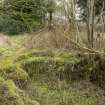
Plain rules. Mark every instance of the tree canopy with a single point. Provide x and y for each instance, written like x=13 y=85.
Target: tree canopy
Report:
x=29 y=13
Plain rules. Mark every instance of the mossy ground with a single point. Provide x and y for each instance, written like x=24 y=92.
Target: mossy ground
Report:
x=47 y=77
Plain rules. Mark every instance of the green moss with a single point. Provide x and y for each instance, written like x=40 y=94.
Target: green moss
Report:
x=41 y=65
x=45 y=69
x=6 y=64
x=28 y=101
x=2 y=50
x=18 y=74
x=10 y=70
x=14 y=73
x=11 y=87
x=41 y=56
x=9 y=94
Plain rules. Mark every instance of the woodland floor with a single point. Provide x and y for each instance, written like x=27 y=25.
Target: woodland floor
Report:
x=43 y=86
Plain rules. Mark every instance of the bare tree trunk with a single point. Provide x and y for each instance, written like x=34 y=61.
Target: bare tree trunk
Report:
x=90 y=24
x=103 y=21
x=50 y=20
x=75 y=21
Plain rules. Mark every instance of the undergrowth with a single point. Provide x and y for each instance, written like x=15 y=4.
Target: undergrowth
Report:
x=46 y=77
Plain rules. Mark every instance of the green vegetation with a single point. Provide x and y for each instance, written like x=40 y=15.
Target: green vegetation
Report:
x=45 y=77
x=23 y=15
x=46 y=58
x=11 y=95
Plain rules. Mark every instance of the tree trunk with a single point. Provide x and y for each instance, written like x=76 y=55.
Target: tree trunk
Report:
x=50 y=20
x=91 y=15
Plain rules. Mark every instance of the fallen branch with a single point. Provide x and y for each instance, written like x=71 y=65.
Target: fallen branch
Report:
x=82 y=47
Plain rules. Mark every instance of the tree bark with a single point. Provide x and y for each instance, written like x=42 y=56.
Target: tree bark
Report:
x=90 y=22
x=50 y=20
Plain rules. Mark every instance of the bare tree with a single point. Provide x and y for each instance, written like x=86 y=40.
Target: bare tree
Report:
x=90 y=22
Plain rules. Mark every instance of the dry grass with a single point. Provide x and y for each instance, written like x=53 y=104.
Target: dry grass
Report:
x=56 y=39
x=4 y=39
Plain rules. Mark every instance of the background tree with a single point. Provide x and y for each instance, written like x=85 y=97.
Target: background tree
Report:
x=83 y=4
x=51 y=5
x=92 y=13
x=30 y=14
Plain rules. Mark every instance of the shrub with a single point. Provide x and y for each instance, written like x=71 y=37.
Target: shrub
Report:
x=9 y=25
